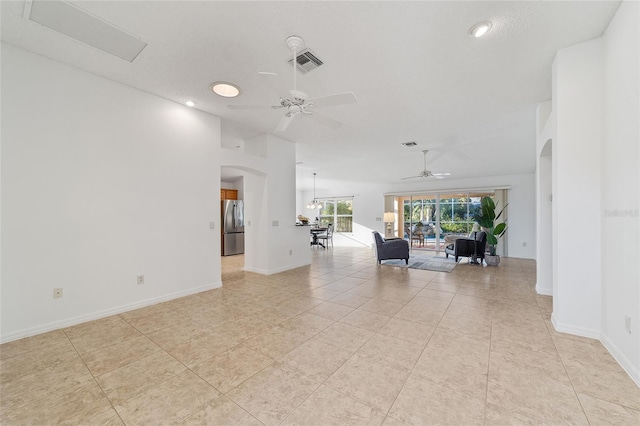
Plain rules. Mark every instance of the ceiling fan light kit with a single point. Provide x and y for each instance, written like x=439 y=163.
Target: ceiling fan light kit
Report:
x=298 y=102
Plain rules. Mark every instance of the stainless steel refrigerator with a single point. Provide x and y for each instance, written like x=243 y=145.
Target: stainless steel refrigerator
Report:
x=232 y=227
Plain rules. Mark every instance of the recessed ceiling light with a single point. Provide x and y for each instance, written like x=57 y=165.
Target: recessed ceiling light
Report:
x=190 y=103
x=224 y=89
x=480 y=29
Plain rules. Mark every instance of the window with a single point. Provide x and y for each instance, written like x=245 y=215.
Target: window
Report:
x=455 y=217
x=338 y=212
x=457 y=211
x=453 y=212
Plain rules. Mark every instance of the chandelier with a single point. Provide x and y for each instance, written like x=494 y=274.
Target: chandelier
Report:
x=314 y=204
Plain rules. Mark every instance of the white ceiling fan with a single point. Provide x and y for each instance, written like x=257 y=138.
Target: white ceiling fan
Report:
x=427 y=173
x=299 y=103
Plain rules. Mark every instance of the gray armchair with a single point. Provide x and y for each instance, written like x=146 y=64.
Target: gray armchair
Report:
x=390 y=249
x=468 y=247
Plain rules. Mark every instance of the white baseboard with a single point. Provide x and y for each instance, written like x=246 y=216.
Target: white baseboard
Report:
x=624 y=362
x=255 y=270
x=572 y=329
x=68 y=322
x=276 y=270
x=544 y=290
x=620 y=358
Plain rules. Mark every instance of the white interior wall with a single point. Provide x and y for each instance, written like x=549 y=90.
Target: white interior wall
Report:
x=299 y=203
x=544 y=231
x=100 y=183
x=544 y=256
x=275 y=243
x=620 y=157
x=255 y=230
x=596 y=163
x=577 y=107
x=288 y=245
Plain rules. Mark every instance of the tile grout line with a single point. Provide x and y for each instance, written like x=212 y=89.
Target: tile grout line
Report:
x=421 y=353
x=94 y=378
x=223 y=393
x=486 y=391
x=341 y=365
x=564 y=367
x=348 y=359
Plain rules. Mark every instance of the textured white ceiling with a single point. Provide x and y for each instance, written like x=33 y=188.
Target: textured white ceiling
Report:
x=416 y=72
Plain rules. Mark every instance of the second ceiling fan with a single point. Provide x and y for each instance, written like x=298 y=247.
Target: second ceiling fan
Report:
x=427 y=173
x=298 y=102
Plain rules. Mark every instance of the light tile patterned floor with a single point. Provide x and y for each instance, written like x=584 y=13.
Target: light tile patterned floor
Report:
x=342 y=342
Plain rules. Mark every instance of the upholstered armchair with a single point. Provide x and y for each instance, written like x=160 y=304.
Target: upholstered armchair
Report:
x=390 y=249
x=468 y=247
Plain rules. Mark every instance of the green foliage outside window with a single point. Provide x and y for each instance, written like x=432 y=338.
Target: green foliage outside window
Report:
x=345 y=207
x=339 y=213
x=456 y=212
x=455 y=228
x=328 y=209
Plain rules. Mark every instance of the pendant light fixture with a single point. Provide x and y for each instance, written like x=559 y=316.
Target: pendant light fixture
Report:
x=314 y=204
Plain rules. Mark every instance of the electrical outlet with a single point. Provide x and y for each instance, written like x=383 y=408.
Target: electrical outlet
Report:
x=524 y=244
x=290 y=252
x=140 y=279
x=627 y=324
x=57 y=293
x=274 y=223
x=212 y=225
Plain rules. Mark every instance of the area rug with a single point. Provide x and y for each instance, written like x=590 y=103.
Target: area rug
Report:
x=427 y=263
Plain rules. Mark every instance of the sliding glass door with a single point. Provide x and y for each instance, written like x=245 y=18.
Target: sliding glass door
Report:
x=420 y=220
x=430 y=218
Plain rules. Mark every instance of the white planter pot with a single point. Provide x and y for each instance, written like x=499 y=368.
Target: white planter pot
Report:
x=492 y=260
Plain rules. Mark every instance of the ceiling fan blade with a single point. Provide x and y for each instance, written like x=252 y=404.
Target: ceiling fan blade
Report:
x=326 y=121
x=334 y=100
x=284 y=123
x=441 y=174
x=411 y=177
x=254 y=106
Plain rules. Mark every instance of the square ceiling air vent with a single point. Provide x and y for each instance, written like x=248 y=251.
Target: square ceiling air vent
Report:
x=307 y=61
x=410 y=144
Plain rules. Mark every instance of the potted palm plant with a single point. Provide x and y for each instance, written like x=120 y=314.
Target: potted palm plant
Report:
x=488 y=221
